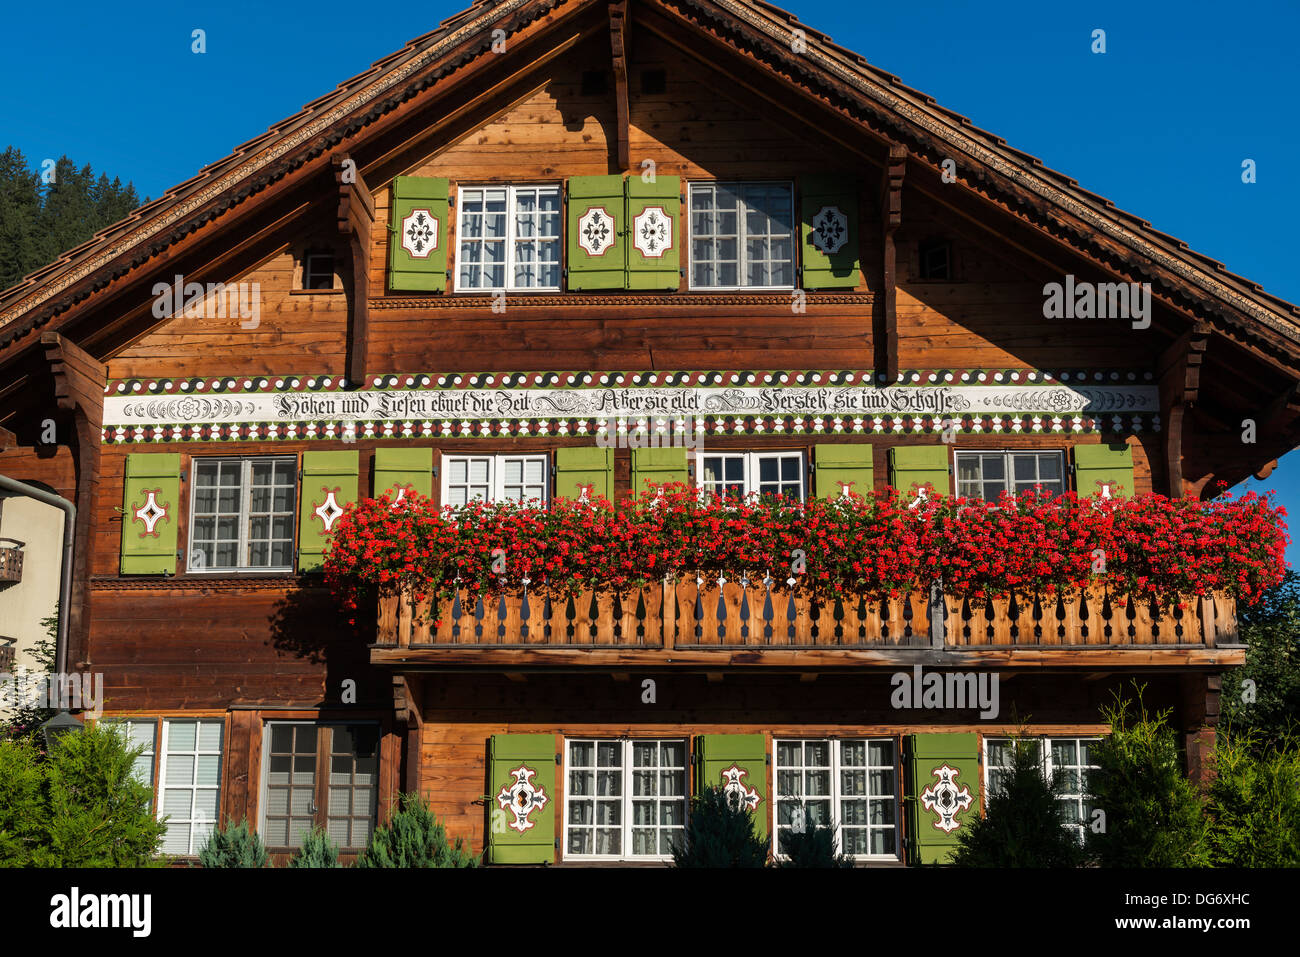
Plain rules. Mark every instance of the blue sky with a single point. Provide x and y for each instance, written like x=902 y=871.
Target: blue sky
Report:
x=1159 y=123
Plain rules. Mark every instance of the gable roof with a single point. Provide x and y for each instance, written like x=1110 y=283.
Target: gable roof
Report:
x=914 y=117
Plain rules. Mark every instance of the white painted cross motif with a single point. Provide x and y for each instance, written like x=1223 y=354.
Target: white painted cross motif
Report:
x=151 y=512
x=830 y=230
x=596 y=231
x=420 y=233
x=652 y=232
x=522 y=798
x=846 y=488
x=734 y=788
x=584 y=491
x=328 y=511
x=946 y=799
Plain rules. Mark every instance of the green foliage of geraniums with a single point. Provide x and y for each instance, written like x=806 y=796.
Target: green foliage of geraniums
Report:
x=719 y=833
x=235 y=845
x=1023 y=824
x=1153 y=813
x=811 y=845
x=20 y=802
x=413 y=837
x=1270 y=705
x=94 y=812
x=1253 y=802
x=317 y=851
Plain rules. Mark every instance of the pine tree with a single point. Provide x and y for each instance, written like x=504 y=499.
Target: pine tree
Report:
x=20 y=206
x=94 y=811
x=20 y=802
x=235 y=845
x=719 y=833
x=317 y=851
x=413 y=837
x=1022 y=824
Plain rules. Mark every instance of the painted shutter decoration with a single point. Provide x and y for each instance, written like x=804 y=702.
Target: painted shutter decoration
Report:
x=829 y=233
x=1105 y=470
x=943 y=793
x=397 y=470
x=521 y=803
x=736 y=763
x=151 y=513
x=657 y=466
x=597 y=242
x=912 y=466
x=417 y=234
x=843 y=468
x=329 y=482
x=654 y=228
x=584 y=469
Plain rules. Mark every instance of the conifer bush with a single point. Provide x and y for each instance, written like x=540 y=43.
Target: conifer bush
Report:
x=235 y=845
x=813 y=845
x=719 y=833
x=94 y=812
x=317 y=851
x=413 y=837
x=1253 y=802
x=1023 y=824
x=1154 y=815
x=20 y=802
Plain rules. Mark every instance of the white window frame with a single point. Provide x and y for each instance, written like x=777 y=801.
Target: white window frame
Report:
x=496 y=473
x=193 y=787
x=1044 y=743
x=751 y=460
x=836 y=797
x=1008 y=481
x=627 y=770
x=741 y=261
x=245 y=496
x=512 y=190
x=124 y=726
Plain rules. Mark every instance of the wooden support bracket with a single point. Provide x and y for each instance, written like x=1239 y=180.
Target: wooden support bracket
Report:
x=1179 y=375
x=356 y=216
x=891 y=217
x=618 y=36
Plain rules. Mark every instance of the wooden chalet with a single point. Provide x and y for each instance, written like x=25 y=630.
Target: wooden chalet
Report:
x=452 y=274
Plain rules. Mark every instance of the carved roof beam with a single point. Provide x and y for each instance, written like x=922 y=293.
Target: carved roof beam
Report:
x=356 y=216
x=1179 y=375
x=618 y=37
x=891 y=216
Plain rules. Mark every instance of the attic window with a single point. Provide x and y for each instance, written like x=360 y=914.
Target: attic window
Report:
x=593 y=83
x=654 y=82
x=936 y=259
x=318 y=270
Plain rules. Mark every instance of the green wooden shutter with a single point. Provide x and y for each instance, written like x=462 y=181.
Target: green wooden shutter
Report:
x=1098 y=465
x=151 y=501
x=738 y=761
x=419 y=215
x=911 y=466
x=944 y=768
x=657 y=466
x=829 y=220
x=398 y=468
x=328 y=479
x=654 y=232
x=847 y=464
x=576 y=467
x=521 y=804
x=597 y=241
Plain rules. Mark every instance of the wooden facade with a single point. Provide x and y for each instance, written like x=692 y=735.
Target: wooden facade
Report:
x=946 y=288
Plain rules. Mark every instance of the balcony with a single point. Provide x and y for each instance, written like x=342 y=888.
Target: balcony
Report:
x=692 y=623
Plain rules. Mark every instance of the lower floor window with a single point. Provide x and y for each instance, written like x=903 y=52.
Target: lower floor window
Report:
x=851 y=785
x=189 y=775
x=324 y=775
x=1067 y=761
x=624 y=799
x=753 y=475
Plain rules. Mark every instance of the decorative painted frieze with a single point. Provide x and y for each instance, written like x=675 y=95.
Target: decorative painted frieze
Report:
x=591 y=403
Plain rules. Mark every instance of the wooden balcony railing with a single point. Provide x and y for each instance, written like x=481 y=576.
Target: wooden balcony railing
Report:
x=731 y=616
